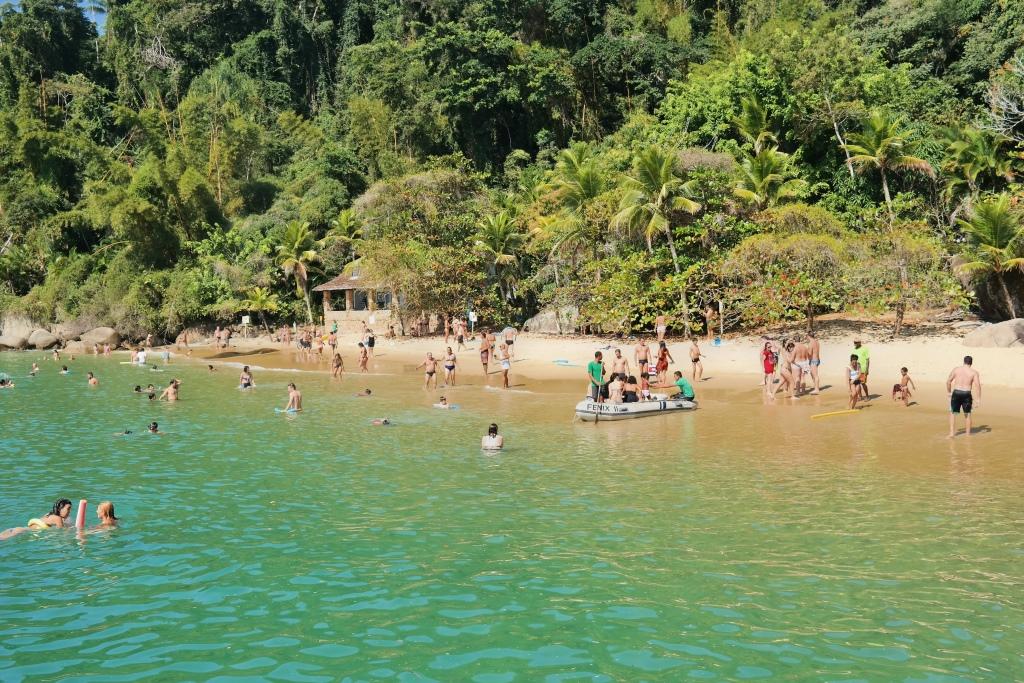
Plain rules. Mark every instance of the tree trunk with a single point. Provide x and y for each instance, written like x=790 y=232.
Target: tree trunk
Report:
x=1006 y=294
x=672 y=249
x=885 y=191
x=839 y=136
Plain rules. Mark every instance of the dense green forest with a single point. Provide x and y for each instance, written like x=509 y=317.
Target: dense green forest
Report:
x=789 y=158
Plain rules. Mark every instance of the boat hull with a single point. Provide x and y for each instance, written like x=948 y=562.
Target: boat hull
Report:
x=590 y=411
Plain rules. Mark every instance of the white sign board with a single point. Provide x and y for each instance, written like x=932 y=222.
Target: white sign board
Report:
x=245 y=320
x=472 y=316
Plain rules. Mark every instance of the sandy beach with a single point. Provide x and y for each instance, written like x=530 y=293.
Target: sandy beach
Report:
x=732 y=370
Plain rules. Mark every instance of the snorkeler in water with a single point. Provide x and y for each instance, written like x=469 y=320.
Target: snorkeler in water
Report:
x=363 y=394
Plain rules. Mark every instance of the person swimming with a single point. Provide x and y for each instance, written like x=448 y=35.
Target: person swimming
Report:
x=153 y=428
x=443 y=404
x=105 y=513
x=137 y=389
x=64 y=370
x=6 y=383
x=492 y=441
x=362 y=394
x=34 y=371
x=381 y=421
x=57 y=518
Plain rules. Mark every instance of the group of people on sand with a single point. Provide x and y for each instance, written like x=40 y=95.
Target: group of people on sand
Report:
x=491 y=348
x=791 y=366
x=57 y=518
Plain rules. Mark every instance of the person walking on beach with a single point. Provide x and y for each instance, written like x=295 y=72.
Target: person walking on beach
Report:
x=337 y=366
x=371 y=341
x=620 y=366
x=864 y=359
x=961 y=385
x=505 y=356
x=853 y=380
x=449 y=368
x=660 y=327
x=363 y=358
x=332 y=341
x=814 y=346
x=595 y=375
x=768 y=366
x=901 y=390
x=294 y=398
x=695 y=356
x=429 y=366
x=664 y=358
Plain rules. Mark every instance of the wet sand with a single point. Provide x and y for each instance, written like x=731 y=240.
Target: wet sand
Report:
x=733 y=411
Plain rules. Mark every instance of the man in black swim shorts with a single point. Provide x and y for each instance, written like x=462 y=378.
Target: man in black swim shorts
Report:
x=964 y=388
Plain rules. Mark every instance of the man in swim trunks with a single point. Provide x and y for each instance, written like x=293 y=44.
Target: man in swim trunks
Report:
x=685 y=388
x=814 y=346
x=642 y=355
x=429 y=366
x=485 y=351
x=619 y=364
x=595 y=375
x=294 y=398
x=864 y=359
x=695 y=356
x=961 y=385
x=510 y=339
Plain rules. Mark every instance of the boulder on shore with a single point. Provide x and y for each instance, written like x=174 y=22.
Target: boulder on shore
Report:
x=78 y=347
x=553 y=321
x=42 y=339
x=1002 y=335
x=14 y=342
x=101 y=336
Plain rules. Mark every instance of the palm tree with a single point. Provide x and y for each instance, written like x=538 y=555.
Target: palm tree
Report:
x=345 y=230
x=295 y=254
x=973 y=154
x=499 y=237
x=653 y=193
x=260 y=300
x=998 y=237
x=885 y=145
x=762 y=180
x=753 y=124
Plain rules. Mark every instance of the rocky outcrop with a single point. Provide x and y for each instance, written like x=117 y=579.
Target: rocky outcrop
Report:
x=1000 y=335
x=13 y=342
x=17 y=325
x=554 y=321
x=42 y=339
x=101 y=336
x=71 y=330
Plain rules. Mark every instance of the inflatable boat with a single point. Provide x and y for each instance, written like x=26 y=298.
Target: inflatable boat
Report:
x=589 y=410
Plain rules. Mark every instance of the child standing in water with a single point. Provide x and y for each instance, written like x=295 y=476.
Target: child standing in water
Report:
x=901 y=390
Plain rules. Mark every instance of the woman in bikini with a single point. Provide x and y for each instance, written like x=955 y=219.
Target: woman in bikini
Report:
x=337 y=366
x=56 y=519
x=245 y=380
x=664 y=358
x=449 y=368
x=506 y=364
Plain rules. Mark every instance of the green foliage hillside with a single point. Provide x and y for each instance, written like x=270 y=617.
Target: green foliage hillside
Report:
x=787 y=158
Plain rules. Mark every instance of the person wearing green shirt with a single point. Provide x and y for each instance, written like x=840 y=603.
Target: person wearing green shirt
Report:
x=595 y=373
x=864 y=360
x=685 y=388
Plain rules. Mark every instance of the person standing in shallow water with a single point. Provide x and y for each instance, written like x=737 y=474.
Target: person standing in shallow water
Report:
x=294 y=398
x=964 y=388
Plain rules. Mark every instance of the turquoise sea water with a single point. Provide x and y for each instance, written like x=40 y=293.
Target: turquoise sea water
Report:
x=258 y=546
